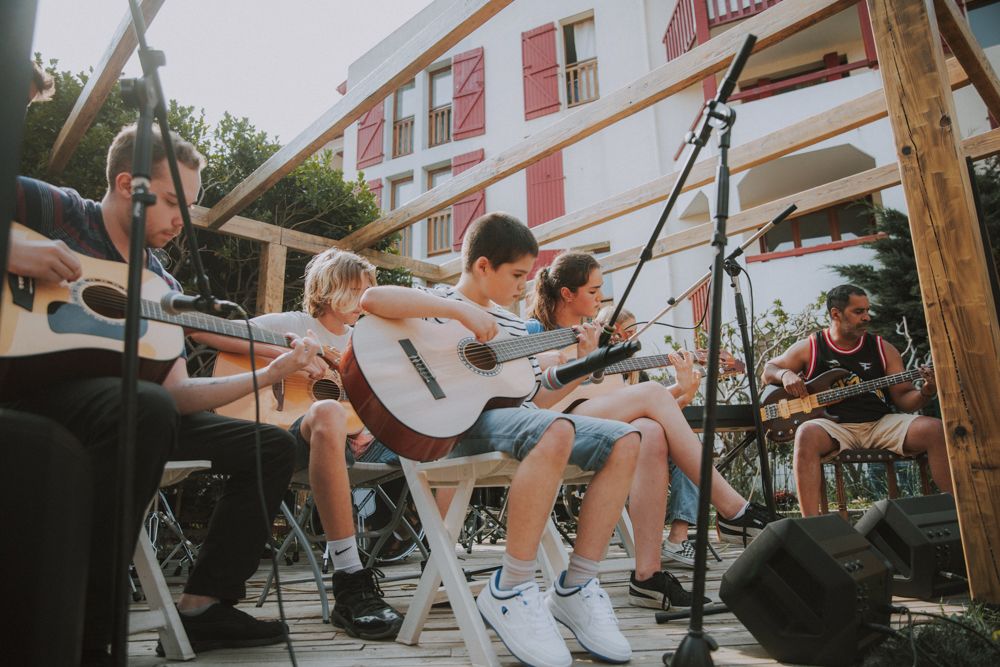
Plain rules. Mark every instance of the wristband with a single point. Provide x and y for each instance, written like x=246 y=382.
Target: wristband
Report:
x=781 y=375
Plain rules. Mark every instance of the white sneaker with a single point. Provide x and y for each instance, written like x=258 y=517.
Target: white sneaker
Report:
x=524 y=624
x=587 y=611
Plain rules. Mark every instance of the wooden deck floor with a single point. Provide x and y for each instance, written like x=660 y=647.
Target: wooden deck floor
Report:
x=441 y=644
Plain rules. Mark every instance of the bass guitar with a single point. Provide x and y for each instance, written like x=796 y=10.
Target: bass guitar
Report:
x=420 y=386
x=284 y=402
x=56 y=332
x=783 y=413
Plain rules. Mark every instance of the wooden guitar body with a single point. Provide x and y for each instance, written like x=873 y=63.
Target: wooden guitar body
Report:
x=420 y=386
x=282 y=403
x=794 y=411
x=55 y=332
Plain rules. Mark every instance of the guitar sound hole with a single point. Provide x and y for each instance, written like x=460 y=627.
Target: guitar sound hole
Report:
x=326 y=389
x=105 y=301
x=480 y=356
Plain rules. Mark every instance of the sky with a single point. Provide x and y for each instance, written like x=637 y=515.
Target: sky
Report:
x=277 y=62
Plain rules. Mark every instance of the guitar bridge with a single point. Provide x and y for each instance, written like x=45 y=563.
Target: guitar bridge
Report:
x=422 y=368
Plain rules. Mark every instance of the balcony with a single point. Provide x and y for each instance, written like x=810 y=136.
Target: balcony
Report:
x=439 y=124
x=402 y=137
x=581 y=82
x=439 y=233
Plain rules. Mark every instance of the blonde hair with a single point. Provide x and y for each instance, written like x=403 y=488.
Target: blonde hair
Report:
x=570 y=269
x=604 y=317
x=331 y=277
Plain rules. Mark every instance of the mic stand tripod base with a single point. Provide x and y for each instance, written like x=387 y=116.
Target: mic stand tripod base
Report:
x=694 y=651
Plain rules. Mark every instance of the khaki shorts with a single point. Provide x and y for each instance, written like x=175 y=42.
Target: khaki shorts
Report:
x=886 y=433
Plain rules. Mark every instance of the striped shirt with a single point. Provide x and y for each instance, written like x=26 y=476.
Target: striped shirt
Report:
x=507 y=320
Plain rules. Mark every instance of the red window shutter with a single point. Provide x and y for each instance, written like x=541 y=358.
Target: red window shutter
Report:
x=545 y=258
x=545 y=190
x=699 y=306
x=468 y=97
x=464 y=212
x=541 y=71
x=370 y=137
x=376 y=187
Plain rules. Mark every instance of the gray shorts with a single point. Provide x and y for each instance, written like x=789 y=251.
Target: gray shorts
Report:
x=515 y=431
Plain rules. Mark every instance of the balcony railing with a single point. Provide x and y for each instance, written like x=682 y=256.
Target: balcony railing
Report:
x=405 y=242
x=402 y=137
x=439 y=233
x=803 y=81
x=721 y=12
x=439 y=123
x=681 y=33
x=581 y=82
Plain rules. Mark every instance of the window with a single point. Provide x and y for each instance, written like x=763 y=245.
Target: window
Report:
x=403 y=191
x=404 y=110
x=580 y=42
x=439 y=121
x=829 y=229
x=439 y=224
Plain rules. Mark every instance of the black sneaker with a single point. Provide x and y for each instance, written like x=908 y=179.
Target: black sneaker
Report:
x=743 y=530
x=359 y=607
x=659 y=592
x=224 y=626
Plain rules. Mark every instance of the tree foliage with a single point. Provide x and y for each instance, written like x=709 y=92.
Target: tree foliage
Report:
x=313 y=199
x=893 y=284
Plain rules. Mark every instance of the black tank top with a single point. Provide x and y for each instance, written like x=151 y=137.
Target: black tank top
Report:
x=865 y=361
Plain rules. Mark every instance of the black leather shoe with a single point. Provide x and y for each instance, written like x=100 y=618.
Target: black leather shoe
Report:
x=359 y=607
x=224 y=626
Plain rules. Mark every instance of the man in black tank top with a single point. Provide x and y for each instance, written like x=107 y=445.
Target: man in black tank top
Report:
x=867 y=420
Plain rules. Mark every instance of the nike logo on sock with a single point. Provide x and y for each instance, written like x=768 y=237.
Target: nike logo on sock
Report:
x=337 y=553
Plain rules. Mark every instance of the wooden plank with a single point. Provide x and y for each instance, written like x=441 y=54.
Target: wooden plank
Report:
x=955 y=28
x=430 y=44
x=848 y=116
x=847 y=189
x=99 y=85
x=770 y=27
x=958 y=303
x=271 y=278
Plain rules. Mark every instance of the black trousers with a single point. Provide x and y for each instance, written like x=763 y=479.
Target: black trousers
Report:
x=230 y=554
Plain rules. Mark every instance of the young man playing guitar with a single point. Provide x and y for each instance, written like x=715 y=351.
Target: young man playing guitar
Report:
x=173 y=419
x=866 y=421
x=566 y=292
x=335 y=280
x=497 y=254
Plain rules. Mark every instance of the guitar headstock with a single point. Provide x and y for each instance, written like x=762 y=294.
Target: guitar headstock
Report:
x=331 y=356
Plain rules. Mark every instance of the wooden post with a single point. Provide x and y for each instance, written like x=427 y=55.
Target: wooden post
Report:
x=271 y=283
x=961 y=318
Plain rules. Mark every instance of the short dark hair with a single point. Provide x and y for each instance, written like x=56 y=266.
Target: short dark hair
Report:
x=841 y=295
x=500 y=238
x=120 y=153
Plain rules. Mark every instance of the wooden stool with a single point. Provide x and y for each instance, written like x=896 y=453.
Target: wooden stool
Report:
x=868 y=456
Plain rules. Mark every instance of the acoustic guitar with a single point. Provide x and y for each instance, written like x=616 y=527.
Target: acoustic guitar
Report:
x=614 y=378
x=783 y=413
x=56 y=332
x=420 y=386
x=282 y=403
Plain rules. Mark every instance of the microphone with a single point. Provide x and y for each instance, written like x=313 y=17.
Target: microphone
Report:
x=597 y=377
x=558 y=377
x=174 y=303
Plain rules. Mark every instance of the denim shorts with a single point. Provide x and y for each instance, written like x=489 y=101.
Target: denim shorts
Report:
x=515 y=431
x=682 y=501
x=375 y=452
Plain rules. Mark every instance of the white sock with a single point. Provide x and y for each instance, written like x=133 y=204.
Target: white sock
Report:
x=740 y=513
x=580 y=571
x=516 y=572
x=344 y=554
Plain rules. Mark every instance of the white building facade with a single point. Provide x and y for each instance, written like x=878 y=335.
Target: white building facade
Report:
x=537 y=62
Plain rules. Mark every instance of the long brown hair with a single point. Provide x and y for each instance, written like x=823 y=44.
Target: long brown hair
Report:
x=570 y=269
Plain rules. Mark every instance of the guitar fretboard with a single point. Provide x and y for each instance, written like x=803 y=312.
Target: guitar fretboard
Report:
x=839 y=394
x=639 y=364
x=519 y=347
x=235 y=328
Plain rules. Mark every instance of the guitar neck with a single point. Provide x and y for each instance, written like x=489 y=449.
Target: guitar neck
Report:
x=639 y=364
x=202 y=322
x=839 y=394
x=519 y=347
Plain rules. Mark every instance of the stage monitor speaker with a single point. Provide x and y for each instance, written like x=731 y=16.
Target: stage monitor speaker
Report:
x=920 y=537
x=805 y=588
x=46 y=494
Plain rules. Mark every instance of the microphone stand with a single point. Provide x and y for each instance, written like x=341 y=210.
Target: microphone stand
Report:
x=696 y=648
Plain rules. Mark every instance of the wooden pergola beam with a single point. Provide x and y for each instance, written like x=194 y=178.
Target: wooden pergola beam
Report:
x=99 y=86
x=770 y=27
x=846 y=189
x=848 y=116
x=416 y=55
x=254 y=230
x=963 y=44
x=951 y=262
